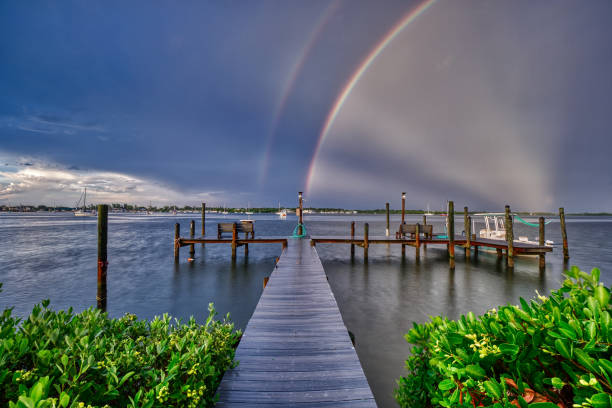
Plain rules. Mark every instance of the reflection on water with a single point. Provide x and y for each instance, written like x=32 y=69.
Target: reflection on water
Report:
x=54 y=256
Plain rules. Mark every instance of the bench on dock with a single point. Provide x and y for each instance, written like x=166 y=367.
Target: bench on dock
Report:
x=410 y=229
x=242 y=226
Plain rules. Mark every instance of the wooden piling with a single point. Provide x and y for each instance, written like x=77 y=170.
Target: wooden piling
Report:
x=499 y=253
x=366 y=243
x=425 y=223
x=352 y=238
x=234 y=240
x=387 y=208
x=177 y=237
x=403 y=206
x=542 y=242
x=563 y=233
x=468 y=237
x=509 y=238
x=417 y=233
x=192 y=235
x=301 y=215
x=465 y=221
x=451 y=234
x=203 y=221
x=102 y=255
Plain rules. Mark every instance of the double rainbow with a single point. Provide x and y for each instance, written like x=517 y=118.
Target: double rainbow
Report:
x=352 y=81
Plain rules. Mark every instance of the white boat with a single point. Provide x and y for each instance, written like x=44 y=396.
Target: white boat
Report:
x=82 y=212
x=281 y=213
x=428 y=211
x=495 y=228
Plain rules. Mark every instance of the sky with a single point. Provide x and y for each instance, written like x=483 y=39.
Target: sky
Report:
x=484 y=102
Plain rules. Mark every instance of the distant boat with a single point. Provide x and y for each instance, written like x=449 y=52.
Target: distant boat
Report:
x=281 y=213
x=428 y=211
x=495 y=228
x=82 y=212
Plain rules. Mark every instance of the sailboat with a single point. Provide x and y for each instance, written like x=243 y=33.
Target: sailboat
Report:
x=281 y=213
x=83 y=211
x=428 y=211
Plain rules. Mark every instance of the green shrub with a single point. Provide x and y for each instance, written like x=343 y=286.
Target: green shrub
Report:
x=551 y=352
x=63 y=359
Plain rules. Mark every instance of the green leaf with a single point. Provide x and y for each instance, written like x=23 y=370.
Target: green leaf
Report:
x=446 y=385
x=557 y=382
x=584 y=359
x=601 y=400
x=64 y=399
x=493 y=389
x=563 y=348
x=475 y=370
x=64 y=360
x=602 y=295
x=37 y=392
x=125 y=378
x=511 y=349
x=26 y=401
x=543 y=405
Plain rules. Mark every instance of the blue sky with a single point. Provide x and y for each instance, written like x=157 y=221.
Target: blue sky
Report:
x=482 y=102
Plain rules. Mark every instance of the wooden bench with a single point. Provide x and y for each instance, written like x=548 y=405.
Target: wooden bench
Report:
x=405 y=229
x=242 y=226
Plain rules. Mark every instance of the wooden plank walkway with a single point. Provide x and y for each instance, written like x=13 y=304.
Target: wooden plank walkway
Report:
x=296 y=350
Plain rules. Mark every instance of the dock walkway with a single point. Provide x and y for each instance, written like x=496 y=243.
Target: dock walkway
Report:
x=296 y=350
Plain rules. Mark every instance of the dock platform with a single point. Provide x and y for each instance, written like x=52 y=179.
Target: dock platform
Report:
x=296 y=350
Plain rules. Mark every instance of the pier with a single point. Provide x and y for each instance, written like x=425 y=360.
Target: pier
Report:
x=296 y=349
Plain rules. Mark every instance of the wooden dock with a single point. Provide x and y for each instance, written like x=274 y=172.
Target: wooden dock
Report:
x=296 y=350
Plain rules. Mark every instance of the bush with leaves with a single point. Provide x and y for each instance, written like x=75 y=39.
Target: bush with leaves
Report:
x=63 y=359
x=549 y=352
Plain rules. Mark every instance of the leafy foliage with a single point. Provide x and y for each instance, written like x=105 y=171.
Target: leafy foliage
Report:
x=62 y=359
x=549 y=352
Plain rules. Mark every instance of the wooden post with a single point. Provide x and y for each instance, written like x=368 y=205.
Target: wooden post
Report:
x=468 y=237
x=425 y=223
x=403 y=206
x=366 y=243
x=203 y=221
x=102 y=255
x=509 y=238
x=387 y=208
x=352 y=238
x=499 y=253
x=542 y=242
x=417 y=233
x=234 y=240
x=192 y=235
x=451 y=234
x=563 y=234
x=177 y=237
x=301 y=217
x=465 y=221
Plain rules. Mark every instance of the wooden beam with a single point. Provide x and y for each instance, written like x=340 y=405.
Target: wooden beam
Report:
x=564 y=234
x=542 y=242
x=509 y=238
x=451 y=234
x=102 y=255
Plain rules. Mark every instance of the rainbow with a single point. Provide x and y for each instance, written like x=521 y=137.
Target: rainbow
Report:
x=352 y=81
x=326 y=15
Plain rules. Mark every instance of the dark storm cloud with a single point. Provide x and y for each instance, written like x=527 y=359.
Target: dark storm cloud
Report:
x=184 y=96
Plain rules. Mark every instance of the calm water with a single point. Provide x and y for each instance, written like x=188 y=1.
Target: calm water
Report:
x=53 y=256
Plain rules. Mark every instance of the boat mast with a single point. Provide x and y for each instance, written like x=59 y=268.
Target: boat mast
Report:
x=84 y=200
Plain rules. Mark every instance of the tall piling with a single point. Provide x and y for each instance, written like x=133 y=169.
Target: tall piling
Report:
x=468 y=237
x=102 y=255
x=403 y=206
x=451 y=234
x=417 y=243
x=366 y=243
x=192 y=236
x=234 y=240
x=203 y=221
x=509 y=238
x=425 y=223
x=301 y=215
x=542 y=242
x=387 y=208
x=563 y=234
x=177 y=237
x=352 y=239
